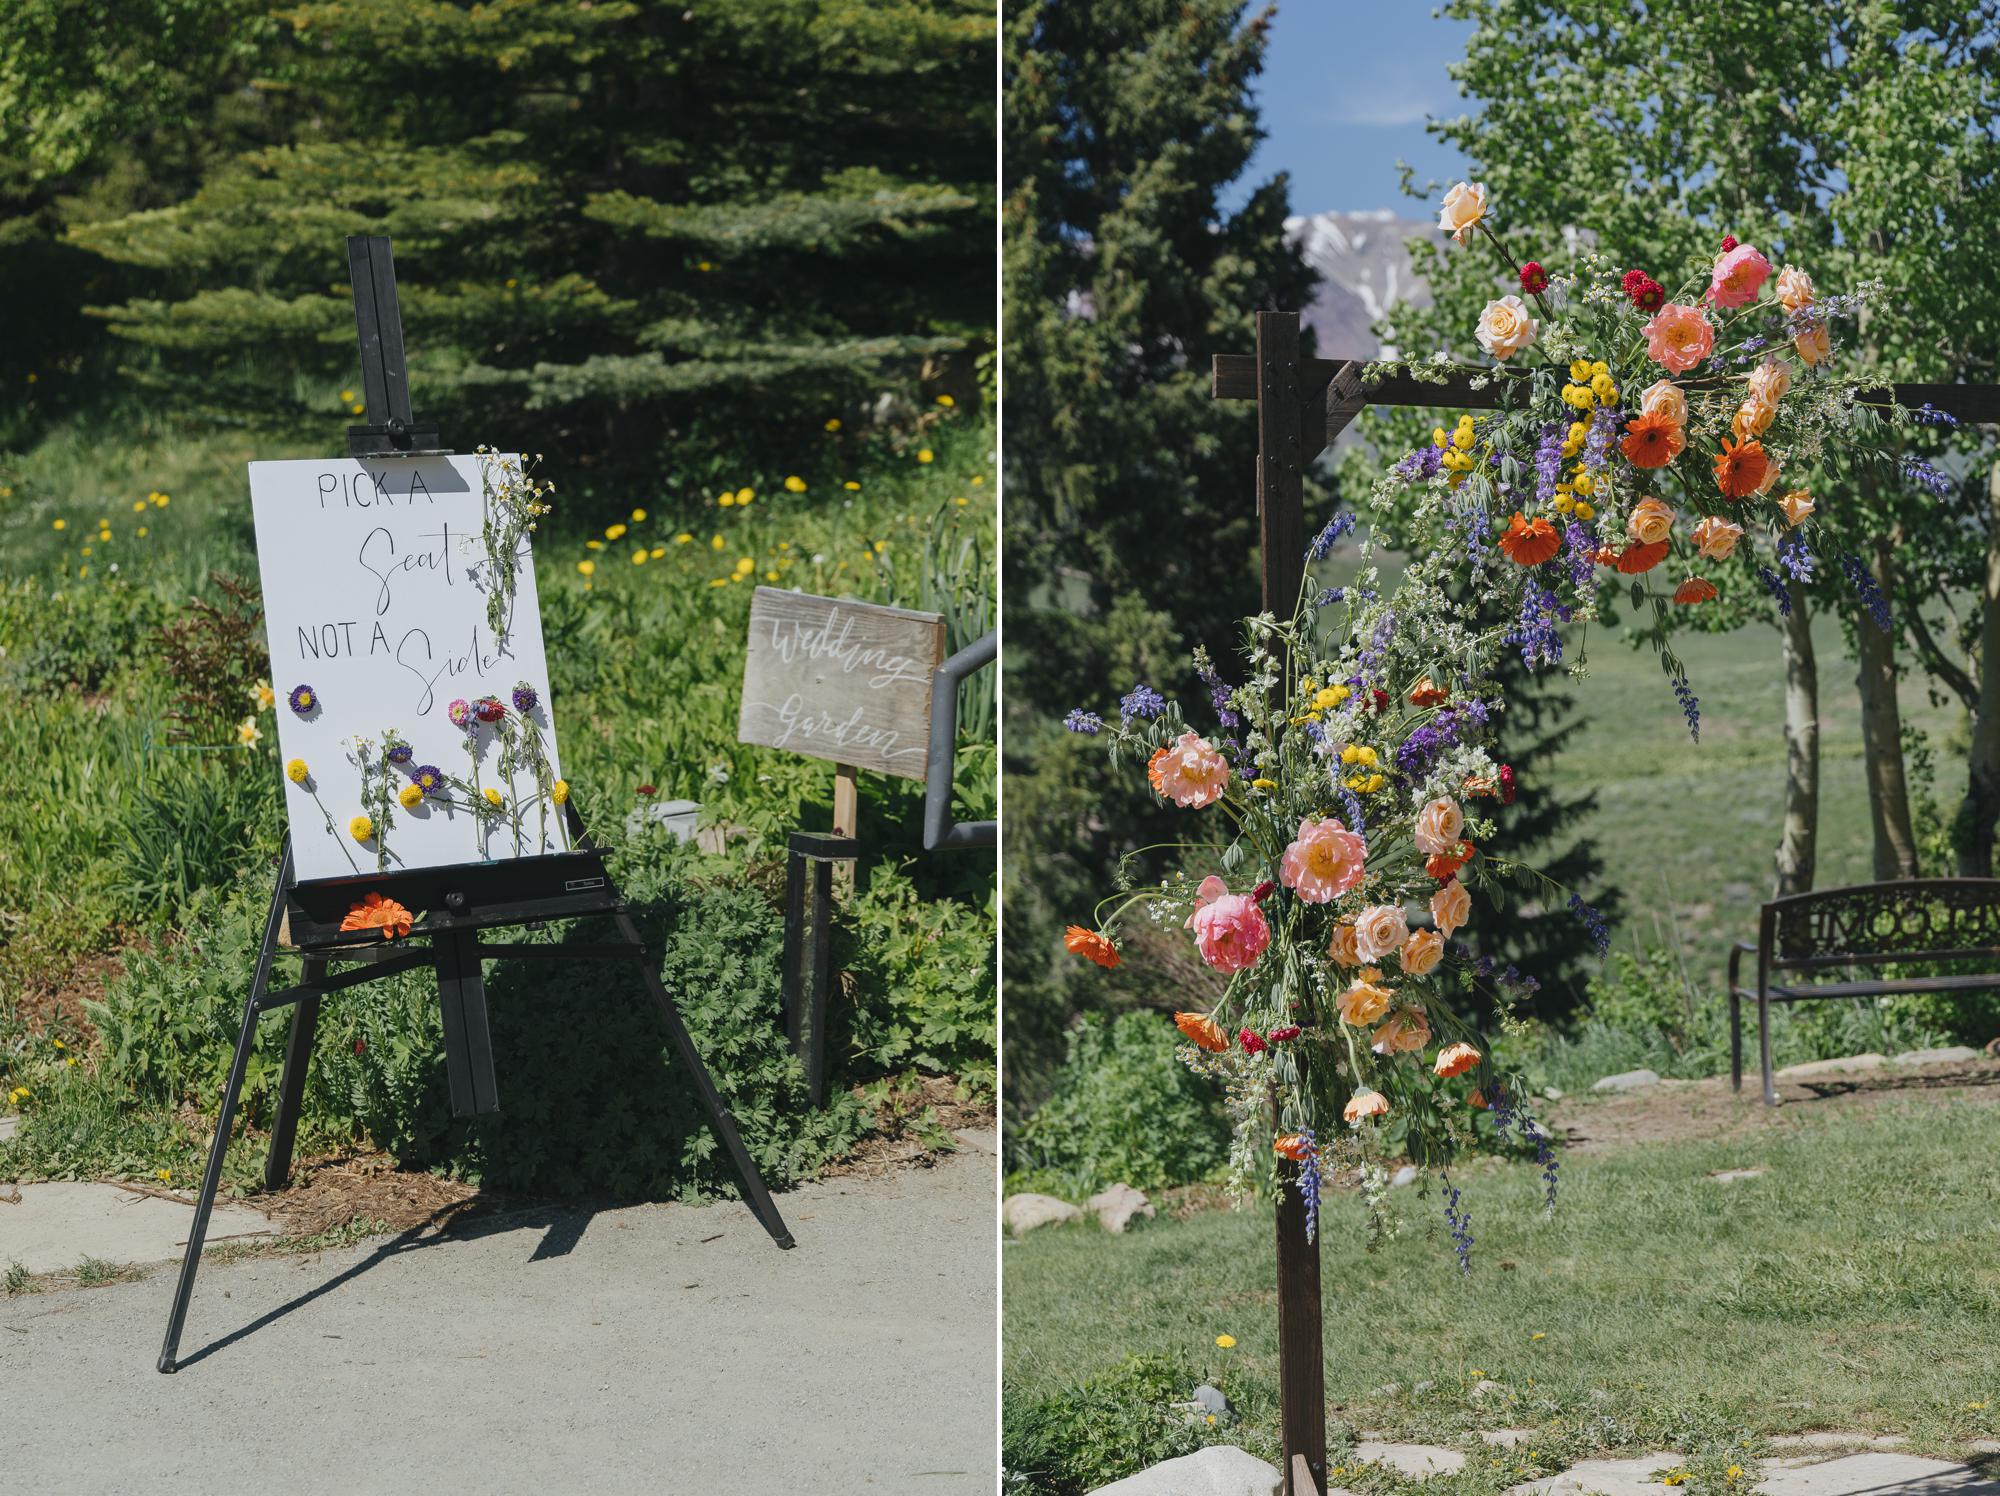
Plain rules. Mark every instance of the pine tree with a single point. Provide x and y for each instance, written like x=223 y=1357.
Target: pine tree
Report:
x=1131 y=531
x=617 y=216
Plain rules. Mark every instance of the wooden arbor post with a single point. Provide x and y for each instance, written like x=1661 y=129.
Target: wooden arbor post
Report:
x=1303 y=404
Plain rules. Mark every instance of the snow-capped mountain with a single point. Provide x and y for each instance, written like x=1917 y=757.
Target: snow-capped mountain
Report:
x=1363 y=267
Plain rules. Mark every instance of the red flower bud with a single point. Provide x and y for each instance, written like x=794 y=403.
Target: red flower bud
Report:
x=1506 y=784
x=647 y=789
x=1285 y=1034
x=1534 y=279
x=1728 y=243
x=1251 y=1042
x=359 y=1045
x=1262 y=891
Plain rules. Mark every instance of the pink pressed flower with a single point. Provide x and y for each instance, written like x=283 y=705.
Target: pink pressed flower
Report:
x=1738 y=274
x=1189 y=772
x=1229 y=928
x=1324 y=861
x=1678 y=337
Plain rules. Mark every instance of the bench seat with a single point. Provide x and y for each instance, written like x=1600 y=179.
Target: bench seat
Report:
x=1880 y=987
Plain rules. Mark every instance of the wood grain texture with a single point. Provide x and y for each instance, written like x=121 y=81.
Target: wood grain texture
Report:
x=840 y=680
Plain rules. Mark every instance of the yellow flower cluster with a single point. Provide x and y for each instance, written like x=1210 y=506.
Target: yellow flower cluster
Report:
x=1320 y=699
x=1456 y=445
x=1573 y=493
x=1590 y=386
x=1363 y=760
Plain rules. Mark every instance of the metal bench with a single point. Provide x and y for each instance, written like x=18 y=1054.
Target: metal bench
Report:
x=1864 y=925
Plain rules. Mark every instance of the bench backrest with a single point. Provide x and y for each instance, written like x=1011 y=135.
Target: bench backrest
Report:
x=1871 y=923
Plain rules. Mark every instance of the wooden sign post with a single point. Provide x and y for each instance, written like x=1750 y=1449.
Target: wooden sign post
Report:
x=1303 y=404
x=369 y=586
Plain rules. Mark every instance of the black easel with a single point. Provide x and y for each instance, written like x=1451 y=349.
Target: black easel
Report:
x=460 y=900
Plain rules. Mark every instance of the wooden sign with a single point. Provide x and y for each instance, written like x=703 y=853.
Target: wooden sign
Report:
x=394 y=692
x=840 y=680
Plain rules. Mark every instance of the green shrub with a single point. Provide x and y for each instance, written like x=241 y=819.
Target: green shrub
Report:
x=922 y=974
x=75 y=637
x=1101 y=1429
x=1124 y=1109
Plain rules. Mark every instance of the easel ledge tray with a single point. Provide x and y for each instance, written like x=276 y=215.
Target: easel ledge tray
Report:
x=460 y=896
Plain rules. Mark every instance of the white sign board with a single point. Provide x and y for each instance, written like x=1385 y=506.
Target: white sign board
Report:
x=376 y=605
x=832 y=678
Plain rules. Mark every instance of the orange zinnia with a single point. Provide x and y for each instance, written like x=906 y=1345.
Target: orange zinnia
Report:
x=1740 y=469
x=1081 y=942
x=1694 y=590
x=1635 y=559
x=377 y=913
x=1293 y=1145
x=1203 y=1030
x=1530 y=542
x=1654 y=441
x=1425 y=693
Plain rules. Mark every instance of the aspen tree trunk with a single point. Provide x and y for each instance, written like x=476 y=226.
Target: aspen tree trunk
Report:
x=1882 y=738
x=1981 y=807
x=1798 y=838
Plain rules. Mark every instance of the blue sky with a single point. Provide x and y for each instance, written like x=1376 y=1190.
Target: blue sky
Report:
x=1346 y=87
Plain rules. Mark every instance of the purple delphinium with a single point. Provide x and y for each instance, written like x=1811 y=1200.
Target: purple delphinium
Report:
x=1775 y=585
x=302 y=699
x=1510 y=1116
x=1424 y=462
x=1690 y=704
x=1870 y=593
x=1796 y=557
x=1329 y=597
x=1377 y=648
x=1535 y=631
x=1548 y=463
x=1079 y=720
x=1323 y=542
x=1460 y=1221
x=525 y=697
x=1142 y=701
x=1600 y=931
x=1309 y=1183
x=1351 y=803
x=1419 y=751
x=1582 y=553
x=429 y=778
x=1218 y=696
x=1604 y=424
x=1928 y=414
x=1925 y=476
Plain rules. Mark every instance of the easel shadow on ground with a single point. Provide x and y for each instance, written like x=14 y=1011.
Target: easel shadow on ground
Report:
x=562 y=1226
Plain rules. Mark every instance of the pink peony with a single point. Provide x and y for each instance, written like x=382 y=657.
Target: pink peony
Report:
x=1189 y=772
x=1678 y=337
x=1324 y=861
x=1738 y=275
x=1229 y=928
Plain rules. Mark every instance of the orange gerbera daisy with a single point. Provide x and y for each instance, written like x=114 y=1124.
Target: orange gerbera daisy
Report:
x=1203 y=1030
x=1478 y=1099
x=1740 y=469
x=1456 y=1059
x=1653 y=441
x=377 y=913
x=1426 y=693
x=1444 y=866
x=1694 y=590
x=1530 y=542
x=1635 y=559
x=1089 y=943
x=1292 y=1145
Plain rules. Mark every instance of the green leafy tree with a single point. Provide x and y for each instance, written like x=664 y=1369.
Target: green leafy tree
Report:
x=1131 y=531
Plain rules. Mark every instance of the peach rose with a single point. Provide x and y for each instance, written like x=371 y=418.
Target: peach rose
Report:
x=1422 y=952
x=1678 y=337
x=1324 y=861
x=1365 y=1104
x=1769 y=382
x=1405 y=1030
x=1366 y=999
x=1380 y=929
x=1796 y=506
x=1456 y=1059
x=1753 y=419
x=1815 y=345
x=1716 y=537
x=1651 y=522
x=1438 y=826
x=1737 y=275
x=1229 y=928
x=1664 y=398
x=1341 y=947
x=1463 y=207
x=1505 y=327
x=1189 y=772
x=1794 y=288
x=1451 y=907
x=1770 y=478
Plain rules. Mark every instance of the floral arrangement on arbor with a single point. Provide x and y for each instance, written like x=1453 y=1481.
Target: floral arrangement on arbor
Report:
x=1351 y=790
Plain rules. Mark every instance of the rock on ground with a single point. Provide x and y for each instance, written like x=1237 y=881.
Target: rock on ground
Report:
x=1628 y=1080
x=55 y=1226
x=1023 y=1213
x=1734 y=1176
x=1951 y=1054
x=1813 y=1068
x=1418 y=1461
x=1219 y=1470
x=1636 y=1477
x=1115 y=1207
x=1506 y=1438
x=1879 y=1474
x=8 y=1127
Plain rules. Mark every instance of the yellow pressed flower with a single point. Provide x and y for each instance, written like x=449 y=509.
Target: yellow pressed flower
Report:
x=247 y=732
x=410 y=796
x=1225 y=1341
x=296 y=771
x=492 y=796
x=638 y=516
x=925 y=454
x=833 y=423
x=614 y=532
x=559 y=791
x=795 y=484
x=361 y=828
x=586 y=567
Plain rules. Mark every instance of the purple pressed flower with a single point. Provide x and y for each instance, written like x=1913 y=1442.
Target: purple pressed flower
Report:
x=525 y=697
x=460 y=712
x=429 y=778
x=1142 y=701
x=400 y=753
x=303 y=699
x=1079 y=720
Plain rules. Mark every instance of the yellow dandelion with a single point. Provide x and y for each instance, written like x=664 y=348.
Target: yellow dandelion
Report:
x=851 y=486
x=586 y=567
x=1227 y=1342
x=795 y=484
x=925 y=454
x=946 y=401
x=639 y=556
x=61 y=524
x=683 y=538
x=833 y=423
x=593 y=545
x=727 y=501
x=638 y=516
x=613 y=532
x=745 y=495
x=717 y=544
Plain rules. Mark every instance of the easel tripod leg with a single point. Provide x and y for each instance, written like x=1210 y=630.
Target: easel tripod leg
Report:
x=292 y=1084
x=758 y=1198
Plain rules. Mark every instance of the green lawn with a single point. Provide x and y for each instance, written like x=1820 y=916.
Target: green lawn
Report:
x=1853 y=1286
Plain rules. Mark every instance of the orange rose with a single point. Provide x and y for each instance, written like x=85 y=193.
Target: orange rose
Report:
x=1203 y=1030
x=1815 y=345
x=1365 y=1001
x=1342 y=947
x=1088 y=943
x=1753 y=418
x=1422 y=952
x=1796 y=506
x=1715 y=538
x=1405 y=1031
